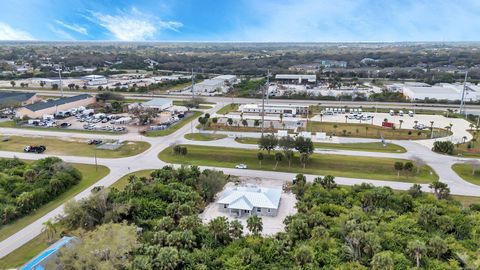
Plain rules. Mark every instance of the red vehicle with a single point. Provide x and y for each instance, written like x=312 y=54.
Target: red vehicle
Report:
x=387 y=124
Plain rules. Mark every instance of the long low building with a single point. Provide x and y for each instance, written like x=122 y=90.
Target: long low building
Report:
x=296 y=78
x=286 y=109
x=18 y=98
x=450 y=92
x=51 y=107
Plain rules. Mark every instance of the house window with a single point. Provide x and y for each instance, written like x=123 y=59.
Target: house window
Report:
x=268 y=210
x=259 y=210
x=224 y=206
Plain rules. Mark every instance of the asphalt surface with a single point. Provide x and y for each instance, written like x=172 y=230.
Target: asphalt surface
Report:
x=149 y=160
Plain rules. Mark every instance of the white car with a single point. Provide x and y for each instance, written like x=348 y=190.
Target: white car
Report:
x=240 y=166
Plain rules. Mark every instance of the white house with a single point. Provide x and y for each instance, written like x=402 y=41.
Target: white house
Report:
x=249 y=201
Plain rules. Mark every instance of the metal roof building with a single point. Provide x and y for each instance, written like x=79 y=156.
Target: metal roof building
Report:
x=21 y=98
x=158 y=103
x=39 y=109
x=298 y=78
x=250 y=201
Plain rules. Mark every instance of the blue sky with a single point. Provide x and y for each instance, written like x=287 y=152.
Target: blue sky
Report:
x=241 y=20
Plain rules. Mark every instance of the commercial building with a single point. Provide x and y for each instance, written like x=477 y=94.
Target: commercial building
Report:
x=285 y=109
x=93 y=80
x=51 y=107
x=247 y=201
x=296 y=78
x=219 y=84
x=17 y=98
x=159 y=104
x=446 y=91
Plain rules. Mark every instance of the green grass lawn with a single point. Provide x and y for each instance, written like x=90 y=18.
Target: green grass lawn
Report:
x=11 y=124
x=177 y=126
x=121 y=183
x=204 y=136
x=56 y=146
x=321 y=164
x=371 y=131
x=368 y=147
x=90 y=176
x=228 y=108
x=465 y=172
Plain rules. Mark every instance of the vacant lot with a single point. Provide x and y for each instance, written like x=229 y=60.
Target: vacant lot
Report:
x=204 y=136
x=56 y=146
x=368 y=147
x=89 y=177
x=371 y=131
x=321 y=164
x=232 y=107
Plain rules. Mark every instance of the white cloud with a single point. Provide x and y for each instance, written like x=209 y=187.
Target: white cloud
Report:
x=9 y=33
x=134 y=26
x=61 y=33
x=74 y=27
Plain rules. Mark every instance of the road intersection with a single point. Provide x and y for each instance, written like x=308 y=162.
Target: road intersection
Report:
x=149 y=160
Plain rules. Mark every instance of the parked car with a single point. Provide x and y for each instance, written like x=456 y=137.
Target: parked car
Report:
x=34 y=149
x=95 y=142
x=240 y=166
x=64 y=125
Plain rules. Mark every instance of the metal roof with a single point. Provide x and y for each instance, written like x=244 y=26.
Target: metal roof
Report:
x=248 y=197
x=156 y=102
x=52 y=103
x=15 y=96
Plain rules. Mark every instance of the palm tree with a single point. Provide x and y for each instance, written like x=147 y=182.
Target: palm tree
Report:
x=50 y=229
x=335 y=129
x=219 y=228
x=383 y=261
x=417 y=250
x=278 y=158
x=281 y=118
x=255 y=224
x=401 y=122
x=366 y=131
x=346 y=117
x=260 y=158
x=321 y=117
x=431 y=129
x=236 y=229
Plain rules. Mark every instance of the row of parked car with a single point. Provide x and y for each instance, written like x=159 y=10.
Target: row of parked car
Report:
x=168 y=123
x=104 y=128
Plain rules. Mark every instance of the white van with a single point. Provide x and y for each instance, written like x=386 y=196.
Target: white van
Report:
x=400 y=113
x=410 y=113
x=392 y=113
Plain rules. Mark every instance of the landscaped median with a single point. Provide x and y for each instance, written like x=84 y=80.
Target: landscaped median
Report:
x=468 y=172
x=71 y=147
x=175 y=127
x=204 y=136
x=367 y=147
x=319 y=164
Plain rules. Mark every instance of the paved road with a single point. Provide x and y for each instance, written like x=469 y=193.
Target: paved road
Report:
x=225 y=100
x=149 y=160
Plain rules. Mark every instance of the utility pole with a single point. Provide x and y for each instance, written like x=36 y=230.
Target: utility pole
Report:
x=60 y=76
x=462 y=101
x=268 y=84
x=263 y=109
x=96 y=164
x=193 y=100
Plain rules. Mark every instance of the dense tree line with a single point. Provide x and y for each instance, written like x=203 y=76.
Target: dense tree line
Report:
x=25 y=187
x=336 y=227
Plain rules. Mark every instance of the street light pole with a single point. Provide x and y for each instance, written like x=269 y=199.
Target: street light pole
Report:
x=61 y=84
x=96 y=164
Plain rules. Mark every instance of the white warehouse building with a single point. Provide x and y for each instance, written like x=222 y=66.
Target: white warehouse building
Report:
x=219 y=84
x=95 y=80
x=450 y=92
x=286 y=109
